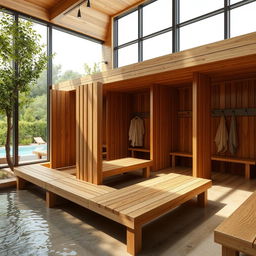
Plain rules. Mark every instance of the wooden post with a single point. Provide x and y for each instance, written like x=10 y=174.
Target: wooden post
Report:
x=173 y=161
x=134 y=240
x=89 y=132
x=146 y=172
x=20 y=183
x=229 y=252
x=201 y=115
x=202 y=199
x=50 y=199
x=247 y=171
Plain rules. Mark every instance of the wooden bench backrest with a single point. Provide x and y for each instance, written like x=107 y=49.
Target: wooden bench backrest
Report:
x=89 y=132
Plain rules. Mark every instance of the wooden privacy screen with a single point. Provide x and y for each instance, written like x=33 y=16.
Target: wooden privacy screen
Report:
x=89 y=132
x=63 y=129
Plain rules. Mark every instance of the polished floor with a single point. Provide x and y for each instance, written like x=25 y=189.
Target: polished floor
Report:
x=28 y=228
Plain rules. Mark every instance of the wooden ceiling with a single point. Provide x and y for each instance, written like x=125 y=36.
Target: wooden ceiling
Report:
x=94 y=21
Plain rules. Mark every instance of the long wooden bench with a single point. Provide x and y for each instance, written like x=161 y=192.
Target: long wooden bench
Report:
x=127 y=164
x=133 y=150
x=246 y=162
x=131 y=206
x=238 y=232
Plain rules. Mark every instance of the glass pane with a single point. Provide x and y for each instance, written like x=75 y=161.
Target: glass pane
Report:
x=128 y=55
x=202 y=32
x=192 y=9
x=157 y=16
x=33 y=114
x=157 y=46
x=243 y=20
x=128 y=28
x=74 y=56
x=235 y=1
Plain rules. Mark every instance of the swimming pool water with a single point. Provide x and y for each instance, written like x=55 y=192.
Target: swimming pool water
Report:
x=26 y=150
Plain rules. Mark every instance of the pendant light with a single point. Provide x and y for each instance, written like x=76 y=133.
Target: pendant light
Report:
x=79 y=13
x=88 y=3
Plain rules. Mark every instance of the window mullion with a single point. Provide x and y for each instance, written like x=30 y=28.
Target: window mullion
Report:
x=140 y=33
x=227 y=20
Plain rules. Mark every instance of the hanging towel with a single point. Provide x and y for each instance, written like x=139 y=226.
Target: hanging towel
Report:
x=136 y=132
x=233 y=143
x=221 y=138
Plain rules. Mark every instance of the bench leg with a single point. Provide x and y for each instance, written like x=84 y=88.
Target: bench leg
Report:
x=146 y=172
x=247 y=171
x=173 y=161
x=20 y=183
x=229 y=252
x=133 y=240
x=50 y=199
x=202 y=199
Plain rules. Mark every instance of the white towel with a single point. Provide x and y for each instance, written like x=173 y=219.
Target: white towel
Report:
x=136 y=132
x=221 y=138
x=233 y=143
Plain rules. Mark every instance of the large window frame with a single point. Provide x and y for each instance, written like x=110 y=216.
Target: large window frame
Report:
x=50 y=27
x=175 y=28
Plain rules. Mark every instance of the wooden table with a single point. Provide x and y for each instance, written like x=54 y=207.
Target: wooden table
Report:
x=238 y=232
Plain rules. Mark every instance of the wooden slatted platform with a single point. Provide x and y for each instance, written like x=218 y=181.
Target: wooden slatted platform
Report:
x=131 y=206
x=127 y=164
x=238 y=232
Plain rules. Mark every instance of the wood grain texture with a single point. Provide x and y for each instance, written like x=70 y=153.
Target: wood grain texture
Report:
x=239 y=230
x=63 y=129
x=89 y=132
x=201 y=126
x=163 y=125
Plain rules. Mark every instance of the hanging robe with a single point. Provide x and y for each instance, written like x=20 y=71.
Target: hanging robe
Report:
x=233 y=142
x=221 y=138
x=136 y=132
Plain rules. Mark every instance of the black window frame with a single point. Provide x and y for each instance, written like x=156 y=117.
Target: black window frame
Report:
x=175 y=28
x=15 y=136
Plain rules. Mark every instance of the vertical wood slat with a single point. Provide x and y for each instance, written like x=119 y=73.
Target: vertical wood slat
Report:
x=89 y=132
x=201 y=116
x=62 y=139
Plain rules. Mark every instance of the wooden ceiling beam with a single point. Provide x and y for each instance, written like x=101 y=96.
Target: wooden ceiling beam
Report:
x=62 y=7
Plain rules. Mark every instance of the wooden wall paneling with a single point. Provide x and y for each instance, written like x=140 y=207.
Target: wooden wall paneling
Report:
x=201 y=117
x=63 y=132
x=118 y=108
x=89 y=132
x=163 y=128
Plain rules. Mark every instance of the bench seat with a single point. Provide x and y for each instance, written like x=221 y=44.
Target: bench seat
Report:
x=132 y=206
x=238 y=232
x=127 y=164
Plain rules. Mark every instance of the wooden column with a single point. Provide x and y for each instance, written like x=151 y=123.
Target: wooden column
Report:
x=201 y=115
x=163 y=125
x=89 y=132
x=63 y=129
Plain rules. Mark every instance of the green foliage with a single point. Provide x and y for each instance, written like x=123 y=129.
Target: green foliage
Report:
x=68 y=75
x=19 y=44
x=27 y=131
x=92 y=70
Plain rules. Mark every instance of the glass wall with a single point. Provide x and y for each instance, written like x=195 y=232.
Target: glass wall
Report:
x=165 y=26
x=74 y=55
x=74 y=58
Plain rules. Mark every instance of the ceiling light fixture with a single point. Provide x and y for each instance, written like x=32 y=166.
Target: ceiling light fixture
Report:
x=88 y=4
x=79 y=13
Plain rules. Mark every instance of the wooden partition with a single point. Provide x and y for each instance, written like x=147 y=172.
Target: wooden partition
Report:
x=201 y=115
x=89 y=132
x=63 y=129
x=163 y=128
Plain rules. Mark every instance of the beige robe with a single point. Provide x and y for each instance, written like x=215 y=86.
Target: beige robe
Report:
x=233 y=143
x=136 y=132
x=221 y=138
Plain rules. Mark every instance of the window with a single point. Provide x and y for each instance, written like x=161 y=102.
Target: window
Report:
x=243 y=19
x=164 y=26
x=152 y=21
x=202 y=32
x=192 y=9
x=157 y=46
x=74 y=58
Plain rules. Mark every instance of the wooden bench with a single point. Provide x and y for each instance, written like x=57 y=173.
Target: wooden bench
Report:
x=40 y=154
x=133 y=150
x=238 y=232
x=182 y=154
x=246 y=162
x=127 y=164
x=131 y=206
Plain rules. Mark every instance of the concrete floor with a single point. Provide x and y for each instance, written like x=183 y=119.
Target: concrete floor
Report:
x=73 y=230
